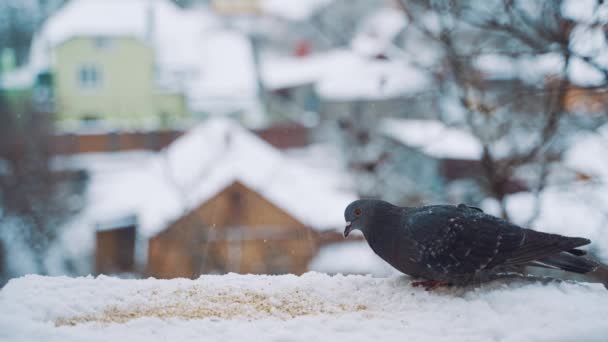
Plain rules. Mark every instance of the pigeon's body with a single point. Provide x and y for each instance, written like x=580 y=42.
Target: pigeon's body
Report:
x=461 y=244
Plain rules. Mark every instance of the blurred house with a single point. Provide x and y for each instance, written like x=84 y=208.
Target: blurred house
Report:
x=446 y=161
x=218 y=199
x=443 y=161
x=361 y=83
x=246 y=233
x=138 y=64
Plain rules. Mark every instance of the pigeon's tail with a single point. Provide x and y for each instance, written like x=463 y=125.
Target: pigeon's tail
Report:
x=570 y=262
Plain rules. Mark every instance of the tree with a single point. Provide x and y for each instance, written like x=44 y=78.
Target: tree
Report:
x=517 y=74
x=523 y=119
x=33 y=197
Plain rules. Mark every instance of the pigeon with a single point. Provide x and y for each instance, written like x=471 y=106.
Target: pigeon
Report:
x=461 y=245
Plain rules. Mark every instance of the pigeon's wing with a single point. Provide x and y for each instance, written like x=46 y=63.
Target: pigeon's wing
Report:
x=462 y=240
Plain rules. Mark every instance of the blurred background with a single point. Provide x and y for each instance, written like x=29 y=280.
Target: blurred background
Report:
x=176 y=138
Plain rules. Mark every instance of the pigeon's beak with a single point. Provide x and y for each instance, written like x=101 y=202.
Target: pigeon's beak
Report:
x=348 y=229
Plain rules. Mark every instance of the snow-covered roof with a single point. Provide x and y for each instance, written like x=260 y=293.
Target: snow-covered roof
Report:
x=160 y=188
x=434 y=138
x=585 y=11
x=378 y=30
x=535 y=69
x=226 y=79
x=345 y=74
x=155 y=21
x=293 y=10
x=313 y=307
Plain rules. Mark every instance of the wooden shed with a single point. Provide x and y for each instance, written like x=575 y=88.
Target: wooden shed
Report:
x=237 y=230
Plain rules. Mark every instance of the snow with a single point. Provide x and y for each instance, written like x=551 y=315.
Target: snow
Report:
x=589 y=154
x=80 y=18
x=343 y=75
x=289 y=308
x=350 y=258
x=227 y=78
x=585 y=11
x=534 y=69
x=17 y=79
x=378 y=31
x=279 y=72
x=351 y=76
x=433 y=138
x=293 y=10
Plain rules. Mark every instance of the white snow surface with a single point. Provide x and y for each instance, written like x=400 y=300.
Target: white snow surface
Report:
x=378 y=31
x=313 y=307
x=344 y=74
x=433 y=138
x=293 y=10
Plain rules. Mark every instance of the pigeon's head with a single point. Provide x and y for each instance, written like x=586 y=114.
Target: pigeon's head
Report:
x=359 y=214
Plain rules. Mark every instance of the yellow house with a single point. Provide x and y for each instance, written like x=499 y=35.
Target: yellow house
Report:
x=112 y=79
x=139 y=64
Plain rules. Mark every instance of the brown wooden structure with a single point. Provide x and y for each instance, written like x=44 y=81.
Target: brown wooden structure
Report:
x=112 y=141
x=237 y=230
x=115 y=247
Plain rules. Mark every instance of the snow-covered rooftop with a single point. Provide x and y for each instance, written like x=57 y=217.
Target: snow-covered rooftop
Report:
x=535 y=69
x=313 y=307
x=344 y=74
x=293 y=10
x=158 y=22
x=378 y=30
x=159 y=188
x=434 y=138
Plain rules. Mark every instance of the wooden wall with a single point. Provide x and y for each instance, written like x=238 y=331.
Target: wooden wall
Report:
x=237 y=230
x=112 y=142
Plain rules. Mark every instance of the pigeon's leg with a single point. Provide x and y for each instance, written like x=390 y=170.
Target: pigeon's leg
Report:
x=430 y=284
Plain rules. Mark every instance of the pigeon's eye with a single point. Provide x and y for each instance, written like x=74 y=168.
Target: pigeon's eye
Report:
x=358 y=212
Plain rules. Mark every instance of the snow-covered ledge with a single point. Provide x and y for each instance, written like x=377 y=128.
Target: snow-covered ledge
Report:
x=313 y=307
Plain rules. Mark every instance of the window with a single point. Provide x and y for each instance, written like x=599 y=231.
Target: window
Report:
x=90 y=120
x=89 y=77
x=103 y=43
